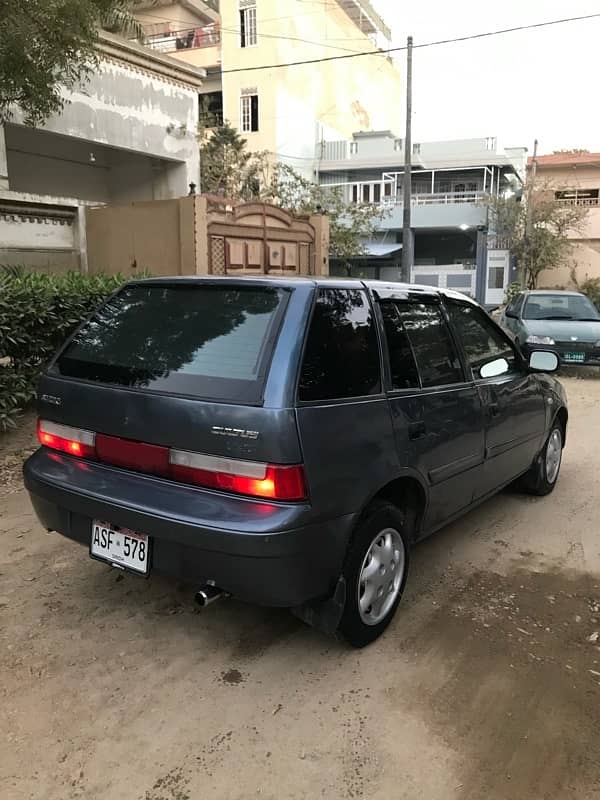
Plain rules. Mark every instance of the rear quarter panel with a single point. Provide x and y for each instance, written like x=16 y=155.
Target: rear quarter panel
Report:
x=349 y=452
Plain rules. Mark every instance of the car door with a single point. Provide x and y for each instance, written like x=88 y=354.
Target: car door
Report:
x=436 y=413
x=513 y=401
x=512 y=312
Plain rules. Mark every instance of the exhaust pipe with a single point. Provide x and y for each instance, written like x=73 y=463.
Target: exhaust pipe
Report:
x=207 y=594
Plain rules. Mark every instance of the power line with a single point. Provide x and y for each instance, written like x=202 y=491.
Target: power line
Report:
x=388 y=50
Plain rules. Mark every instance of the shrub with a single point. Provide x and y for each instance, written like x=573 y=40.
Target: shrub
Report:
x=37 y=313
x=591 y=287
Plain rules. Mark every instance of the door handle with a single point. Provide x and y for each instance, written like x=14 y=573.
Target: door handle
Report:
x=494 y=409
x=416 y=430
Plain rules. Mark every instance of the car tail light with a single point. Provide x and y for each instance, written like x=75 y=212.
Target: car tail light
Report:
x=75 y=441
x=267 y=481
x=249 y=478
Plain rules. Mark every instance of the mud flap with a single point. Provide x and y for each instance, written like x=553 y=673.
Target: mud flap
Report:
x=324 y=615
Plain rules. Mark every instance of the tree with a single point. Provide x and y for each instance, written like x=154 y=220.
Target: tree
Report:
x=229 y=169
x=349 y=223
x=542 y=240
x=48 y=46
x=226 y=166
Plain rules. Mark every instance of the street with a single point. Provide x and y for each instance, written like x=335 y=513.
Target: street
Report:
x=487 y=684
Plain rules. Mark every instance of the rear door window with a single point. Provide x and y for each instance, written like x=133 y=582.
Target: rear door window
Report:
x=341 y=358
x=403 y=367
x=436 y=356
x=208 y=341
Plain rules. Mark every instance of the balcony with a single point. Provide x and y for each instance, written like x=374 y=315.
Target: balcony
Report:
x=181 y=42
x=438 y=209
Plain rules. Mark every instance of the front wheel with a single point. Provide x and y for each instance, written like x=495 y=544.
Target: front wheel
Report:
x=375 y=573
x=543 y=475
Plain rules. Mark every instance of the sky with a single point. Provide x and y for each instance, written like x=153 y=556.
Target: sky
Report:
x=542 y=84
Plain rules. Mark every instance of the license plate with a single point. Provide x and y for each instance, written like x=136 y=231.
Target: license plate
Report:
x=577 y=358
x=120 y=547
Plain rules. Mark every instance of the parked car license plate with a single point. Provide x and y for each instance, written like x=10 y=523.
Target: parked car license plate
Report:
x=577 y=358
x=120 y=546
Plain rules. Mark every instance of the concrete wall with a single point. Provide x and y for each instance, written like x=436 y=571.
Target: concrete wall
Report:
x=451 y=215
x=173 y=237
x=129 y=107
x=38 y=235
x=142 y=237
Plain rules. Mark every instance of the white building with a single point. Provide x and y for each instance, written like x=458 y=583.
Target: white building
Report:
x=128 y=133
x=451 y=239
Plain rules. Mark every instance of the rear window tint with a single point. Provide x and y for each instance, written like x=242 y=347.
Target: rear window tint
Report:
x=213 y=342
x=342 y=355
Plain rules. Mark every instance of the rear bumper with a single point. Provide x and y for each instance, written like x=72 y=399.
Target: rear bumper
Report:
x=265 y=553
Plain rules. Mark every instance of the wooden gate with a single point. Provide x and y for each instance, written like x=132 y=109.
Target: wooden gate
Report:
x=259 y=239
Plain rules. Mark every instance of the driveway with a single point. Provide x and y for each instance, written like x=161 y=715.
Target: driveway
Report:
x=486 y=686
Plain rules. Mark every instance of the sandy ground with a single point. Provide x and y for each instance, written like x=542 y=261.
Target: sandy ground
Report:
x=486 y=686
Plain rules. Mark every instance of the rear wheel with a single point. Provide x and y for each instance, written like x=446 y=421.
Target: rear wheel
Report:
x=543 y=475
x=375 y=573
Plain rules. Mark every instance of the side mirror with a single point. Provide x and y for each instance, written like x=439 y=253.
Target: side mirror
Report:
x=511 y=314
x=543 y=361
x=494 y=368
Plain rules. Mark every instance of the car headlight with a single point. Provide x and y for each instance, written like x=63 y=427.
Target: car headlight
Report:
x=540 y=340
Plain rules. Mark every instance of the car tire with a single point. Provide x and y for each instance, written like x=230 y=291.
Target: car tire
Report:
x=543 y=474
x=375 y=573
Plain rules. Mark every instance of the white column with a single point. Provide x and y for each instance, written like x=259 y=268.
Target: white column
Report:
x=3 y=161
x=82 y=239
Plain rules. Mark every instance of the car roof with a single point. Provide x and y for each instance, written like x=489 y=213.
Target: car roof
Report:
x=389 y=287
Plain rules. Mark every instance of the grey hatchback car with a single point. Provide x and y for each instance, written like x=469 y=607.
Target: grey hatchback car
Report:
x=286 y=441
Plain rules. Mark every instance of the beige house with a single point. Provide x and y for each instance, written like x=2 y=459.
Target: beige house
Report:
x=290 y=110
x=578 y=175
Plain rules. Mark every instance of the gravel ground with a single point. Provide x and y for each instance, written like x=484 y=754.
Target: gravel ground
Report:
x=487 y=684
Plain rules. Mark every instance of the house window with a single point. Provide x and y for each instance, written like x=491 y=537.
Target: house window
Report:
x=398 y=145
x=249 y=113
x=416 y=149
x=248 y=28
x=353 y=148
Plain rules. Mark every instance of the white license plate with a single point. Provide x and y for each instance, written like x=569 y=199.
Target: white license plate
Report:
x=120 y=547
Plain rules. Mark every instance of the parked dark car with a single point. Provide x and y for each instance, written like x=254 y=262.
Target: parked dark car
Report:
x=566 y=323
x=287 y=441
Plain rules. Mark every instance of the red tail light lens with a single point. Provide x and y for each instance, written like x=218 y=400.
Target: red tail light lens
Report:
x=249 y=478
x=278 y=483
x=74 y=441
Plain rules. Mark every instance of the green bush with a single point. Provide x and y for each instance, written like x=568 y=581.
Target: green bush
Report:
x=37 y=313
x=591 y=287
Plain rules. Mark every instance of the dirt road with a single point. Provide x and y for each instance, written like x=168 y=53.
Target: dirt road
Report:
x=486 y=687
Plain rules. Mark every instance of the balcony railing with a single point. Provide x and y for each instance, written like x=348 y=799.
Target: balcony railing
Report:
x=187 y=39
x=588 y=202
x=446 y=198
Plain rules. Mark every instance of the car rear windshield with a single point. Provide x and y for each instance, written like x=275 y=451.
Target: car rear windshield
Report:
x=208 y=341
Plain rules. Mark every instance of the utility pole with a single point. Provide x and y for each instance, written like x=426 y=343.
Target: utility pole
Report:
x=407 y=245
x=529 y=212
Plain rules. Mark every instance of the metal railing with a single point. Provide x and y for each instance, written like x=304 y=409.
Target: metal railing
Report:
x=588 y=202
x=188 y=39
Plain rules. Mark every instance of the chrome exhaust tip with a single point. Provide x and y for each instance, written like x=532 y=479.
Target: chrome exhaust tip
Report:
x=207 y=594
